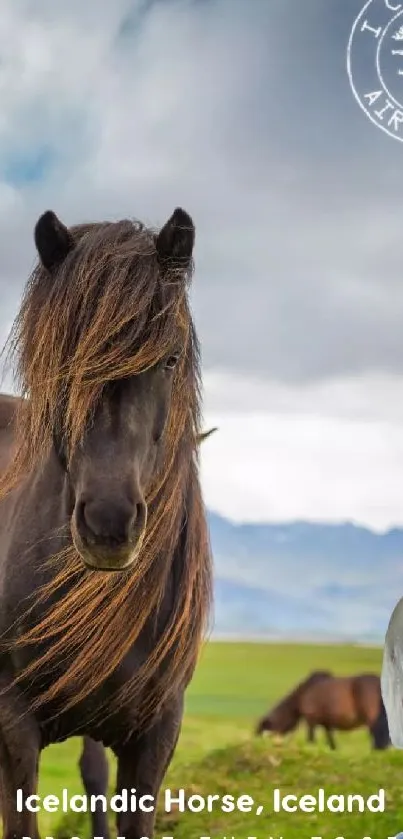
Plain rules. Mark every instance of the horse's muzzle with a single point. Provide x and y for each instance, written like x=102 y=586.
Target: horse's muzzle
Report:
x=108 y=538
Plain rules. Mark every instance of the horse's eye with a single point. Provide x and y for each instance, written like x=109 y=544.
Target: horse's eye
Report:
x=171 y=362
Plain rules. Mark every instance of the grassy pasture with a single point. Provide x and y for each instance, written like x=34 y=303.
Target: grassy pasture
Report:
x=218 y=754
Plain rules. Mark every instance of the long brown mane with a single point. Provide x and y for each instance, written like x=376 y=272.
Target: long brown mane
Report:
x=109 y=315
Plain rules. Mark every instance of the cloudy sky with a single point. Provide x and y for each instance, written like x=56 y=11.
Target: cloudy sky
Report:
x=240 y=111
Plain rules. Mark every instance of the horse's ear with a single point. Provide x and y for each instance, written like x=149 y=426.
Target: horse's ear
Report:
x=52 y=239
x=204 y=434
x=175 y=241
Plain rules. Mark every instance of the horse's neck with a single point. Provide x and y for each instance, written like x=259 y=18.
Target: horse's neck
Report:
x=294 y=700
x=33 y=528
x=38 y=508
x=7 y=444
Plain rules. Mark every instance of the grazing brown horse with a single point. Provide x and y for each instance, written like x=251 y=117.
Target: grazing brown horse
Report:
x=105 y=565
x=93 y=761
x=334 y=702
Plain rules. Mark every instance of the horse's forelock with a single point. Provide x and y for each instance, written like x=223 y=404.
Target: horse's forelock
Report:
x=98 y=310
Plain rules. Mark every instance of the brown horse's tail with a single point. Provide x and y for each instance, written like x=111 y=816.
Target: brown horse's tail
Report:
x=380 y=730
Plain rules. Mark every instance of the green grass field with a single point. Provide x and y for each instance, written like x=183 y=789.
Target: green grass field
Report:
x=218 y=754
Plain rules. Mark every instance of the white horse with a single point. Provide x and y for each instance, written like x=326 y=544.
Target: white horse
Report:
x=392 y=679
x=392 y=676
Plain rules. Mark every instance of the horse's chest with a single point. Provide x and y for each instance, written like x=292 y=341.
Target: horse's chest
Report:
x=108 y=713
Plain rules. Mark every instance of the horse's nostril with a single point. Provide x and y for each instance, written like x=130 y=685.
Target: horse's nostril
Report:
x=140 y=516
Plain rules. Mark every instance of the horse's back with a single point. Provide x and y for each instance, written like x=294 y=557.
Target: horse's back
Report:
x=8 y=409
x=331 y=703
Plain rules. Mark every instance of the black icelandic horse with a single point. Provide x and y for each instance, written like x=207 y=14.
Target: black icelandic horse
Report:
x=105 y=563
x=93 y=762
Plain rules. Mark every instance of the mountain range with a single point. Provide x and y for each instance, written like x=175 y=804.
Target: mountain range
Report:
x=304 y=580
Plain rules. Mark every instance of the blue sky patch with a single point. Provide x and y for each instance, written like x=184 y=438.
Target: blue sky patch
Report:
x=28 y=167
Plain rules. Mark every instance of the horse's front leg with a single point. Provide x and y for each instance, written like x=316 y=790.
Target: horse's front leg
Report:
x=94 y=770
x=19 y=758
x=311 y=732
x=142 y=764
x=330 y=738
